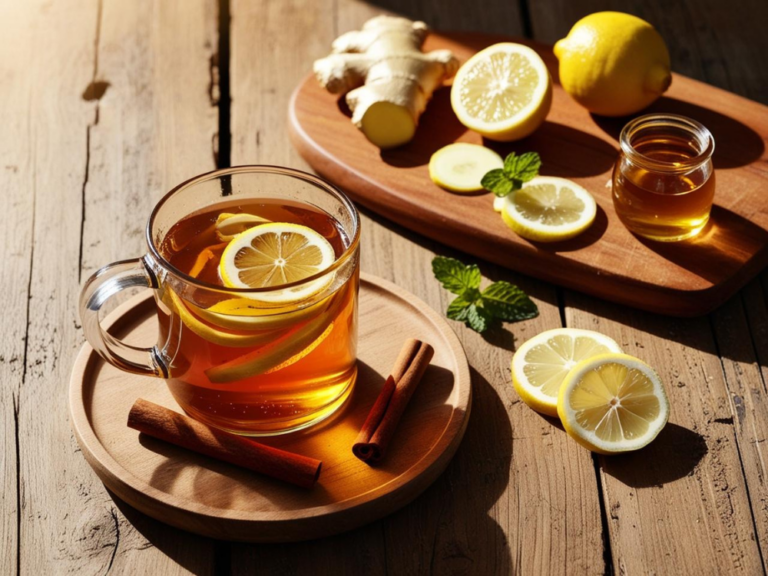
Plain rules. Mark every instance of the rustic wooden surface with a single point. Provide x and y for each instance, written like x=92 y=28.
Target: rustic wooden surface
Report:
x=688 y=279
x=106 y=104
x=217 y=499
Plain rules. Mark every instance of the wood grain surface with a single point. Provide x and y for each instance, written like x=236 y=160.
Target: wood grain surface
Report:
x=197 y=82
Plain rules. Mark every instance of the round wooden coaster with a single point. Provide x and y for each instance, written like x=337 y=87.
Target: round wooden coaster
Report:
x=216 y=499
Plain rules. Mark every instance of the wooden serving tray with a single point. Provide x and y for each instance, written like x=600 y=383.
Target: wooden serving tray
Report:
x=216 y=499
x=681 y=279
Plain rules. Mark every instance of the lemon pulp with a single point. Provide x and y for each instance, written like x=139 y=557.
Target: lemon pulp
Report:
x=548 y=209
x=613 y=403
x=499 y=87
x=541 y=364
x=503 y=92
x=274 y=254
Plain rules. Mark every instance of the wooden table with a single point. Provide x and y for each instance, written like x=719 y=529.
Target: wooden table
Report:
x=106 y=104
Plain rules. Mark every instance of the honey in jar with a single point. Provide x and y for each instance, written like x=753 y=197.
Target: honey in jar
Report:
x=663 y=181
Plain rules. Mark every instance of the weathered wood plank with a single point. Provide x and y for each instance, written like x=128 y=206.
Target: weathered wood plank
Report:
x=719 y=44
x=741 y=328
x=17 y=207
x=518 y=496
x=680 y=505
x=119 y=111
x=268 y=58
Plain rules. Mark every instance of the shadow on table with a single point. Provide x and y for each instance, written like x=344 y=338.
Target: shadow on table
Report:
x=674 y=454
x=450 y=522
x=537 y=289
x=717 y=252
x=576 y=152
x=586 y=238
x=736 y=144
x=566 y=152
x=173 y=542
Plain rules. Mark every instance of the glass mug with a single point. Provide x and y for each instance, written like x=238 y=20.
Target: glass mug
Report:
x=664 y=181
x=254 y=361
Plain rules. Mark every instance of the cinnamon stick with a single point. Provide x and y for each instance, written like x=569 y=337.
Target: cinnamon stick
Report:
x=164 y=424
x=371 y=443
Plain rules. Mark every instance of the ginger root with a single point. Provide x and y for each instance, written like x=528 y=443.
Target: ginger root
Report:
x=388 y=78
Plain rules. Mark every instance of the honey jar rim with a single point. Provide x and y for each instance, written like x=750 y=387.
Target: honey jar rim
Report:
x=702 y=135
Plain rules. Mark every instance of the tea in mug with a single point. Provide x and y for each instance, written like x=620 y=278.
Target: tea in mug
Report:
x=269 y=360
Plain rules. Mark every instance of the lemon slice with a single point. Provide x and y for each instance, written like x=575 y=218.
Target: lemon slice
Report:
x=274 y=254
x=247 y=314
x=503 y=92
x=541 y=364
x=284 y=350
x=548 y=209
x=613 y=403
x=230 y=225
x=460 y=167
x=215 y=335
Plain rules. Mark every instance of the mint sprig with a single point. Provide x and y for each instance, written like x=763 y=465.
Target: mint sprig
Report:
x=517 y=171
x=480 y=310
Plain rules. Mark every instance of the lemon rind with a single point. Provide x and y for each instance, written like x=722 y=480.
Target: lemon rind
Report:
x=277 y=295
x=532 y=230
x=531 y=394
x=541 y=97
x=589 y=439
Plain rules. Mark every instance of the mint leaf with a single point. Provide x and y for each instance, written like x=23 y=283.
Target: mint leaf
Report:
x=517 y=170
x=454 y=275
x=478 y=318
x=508 y=302
x=524 y=167
x=458 y=309
x=497 y=182
x=480 y=310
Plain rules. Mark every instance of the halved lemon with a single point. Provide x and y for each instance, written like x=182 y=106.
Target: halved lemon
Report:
x=548 y=209
x=274 y=254
x=460 y=167
x=613 y=403
x=503 y=92
x=541 y=364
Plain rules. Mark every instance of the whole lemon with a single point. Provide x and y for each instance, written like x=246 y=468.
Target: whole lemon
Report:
x=613 y=64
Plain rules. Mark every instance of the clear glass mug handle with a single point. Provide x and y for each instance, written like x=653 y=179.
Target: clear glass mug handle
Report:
x=99 y=288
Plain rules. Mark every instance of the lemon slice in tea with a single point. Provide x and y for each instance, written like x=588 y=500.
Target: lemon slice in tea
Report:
x=275 y=254
x=613 y=403
x=230 y=225
x=541 y=364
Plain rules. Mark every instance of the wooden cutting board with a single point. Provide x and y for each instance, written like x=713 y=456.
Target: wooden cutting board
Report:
x=681 y=279
x=219 y=500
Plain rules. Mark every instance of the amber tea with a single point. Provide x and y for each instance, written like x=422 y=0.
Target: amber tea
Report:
x=663 y=183
x=259 y=362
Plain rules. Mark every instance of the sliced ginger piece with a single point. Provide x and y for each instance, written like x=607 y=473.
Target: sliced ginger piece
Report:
x=460 y=167
x=388 y=125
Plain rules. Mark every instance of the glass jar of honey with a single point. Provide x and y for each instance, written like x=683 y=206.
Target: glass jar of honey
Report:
x=663 y=181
